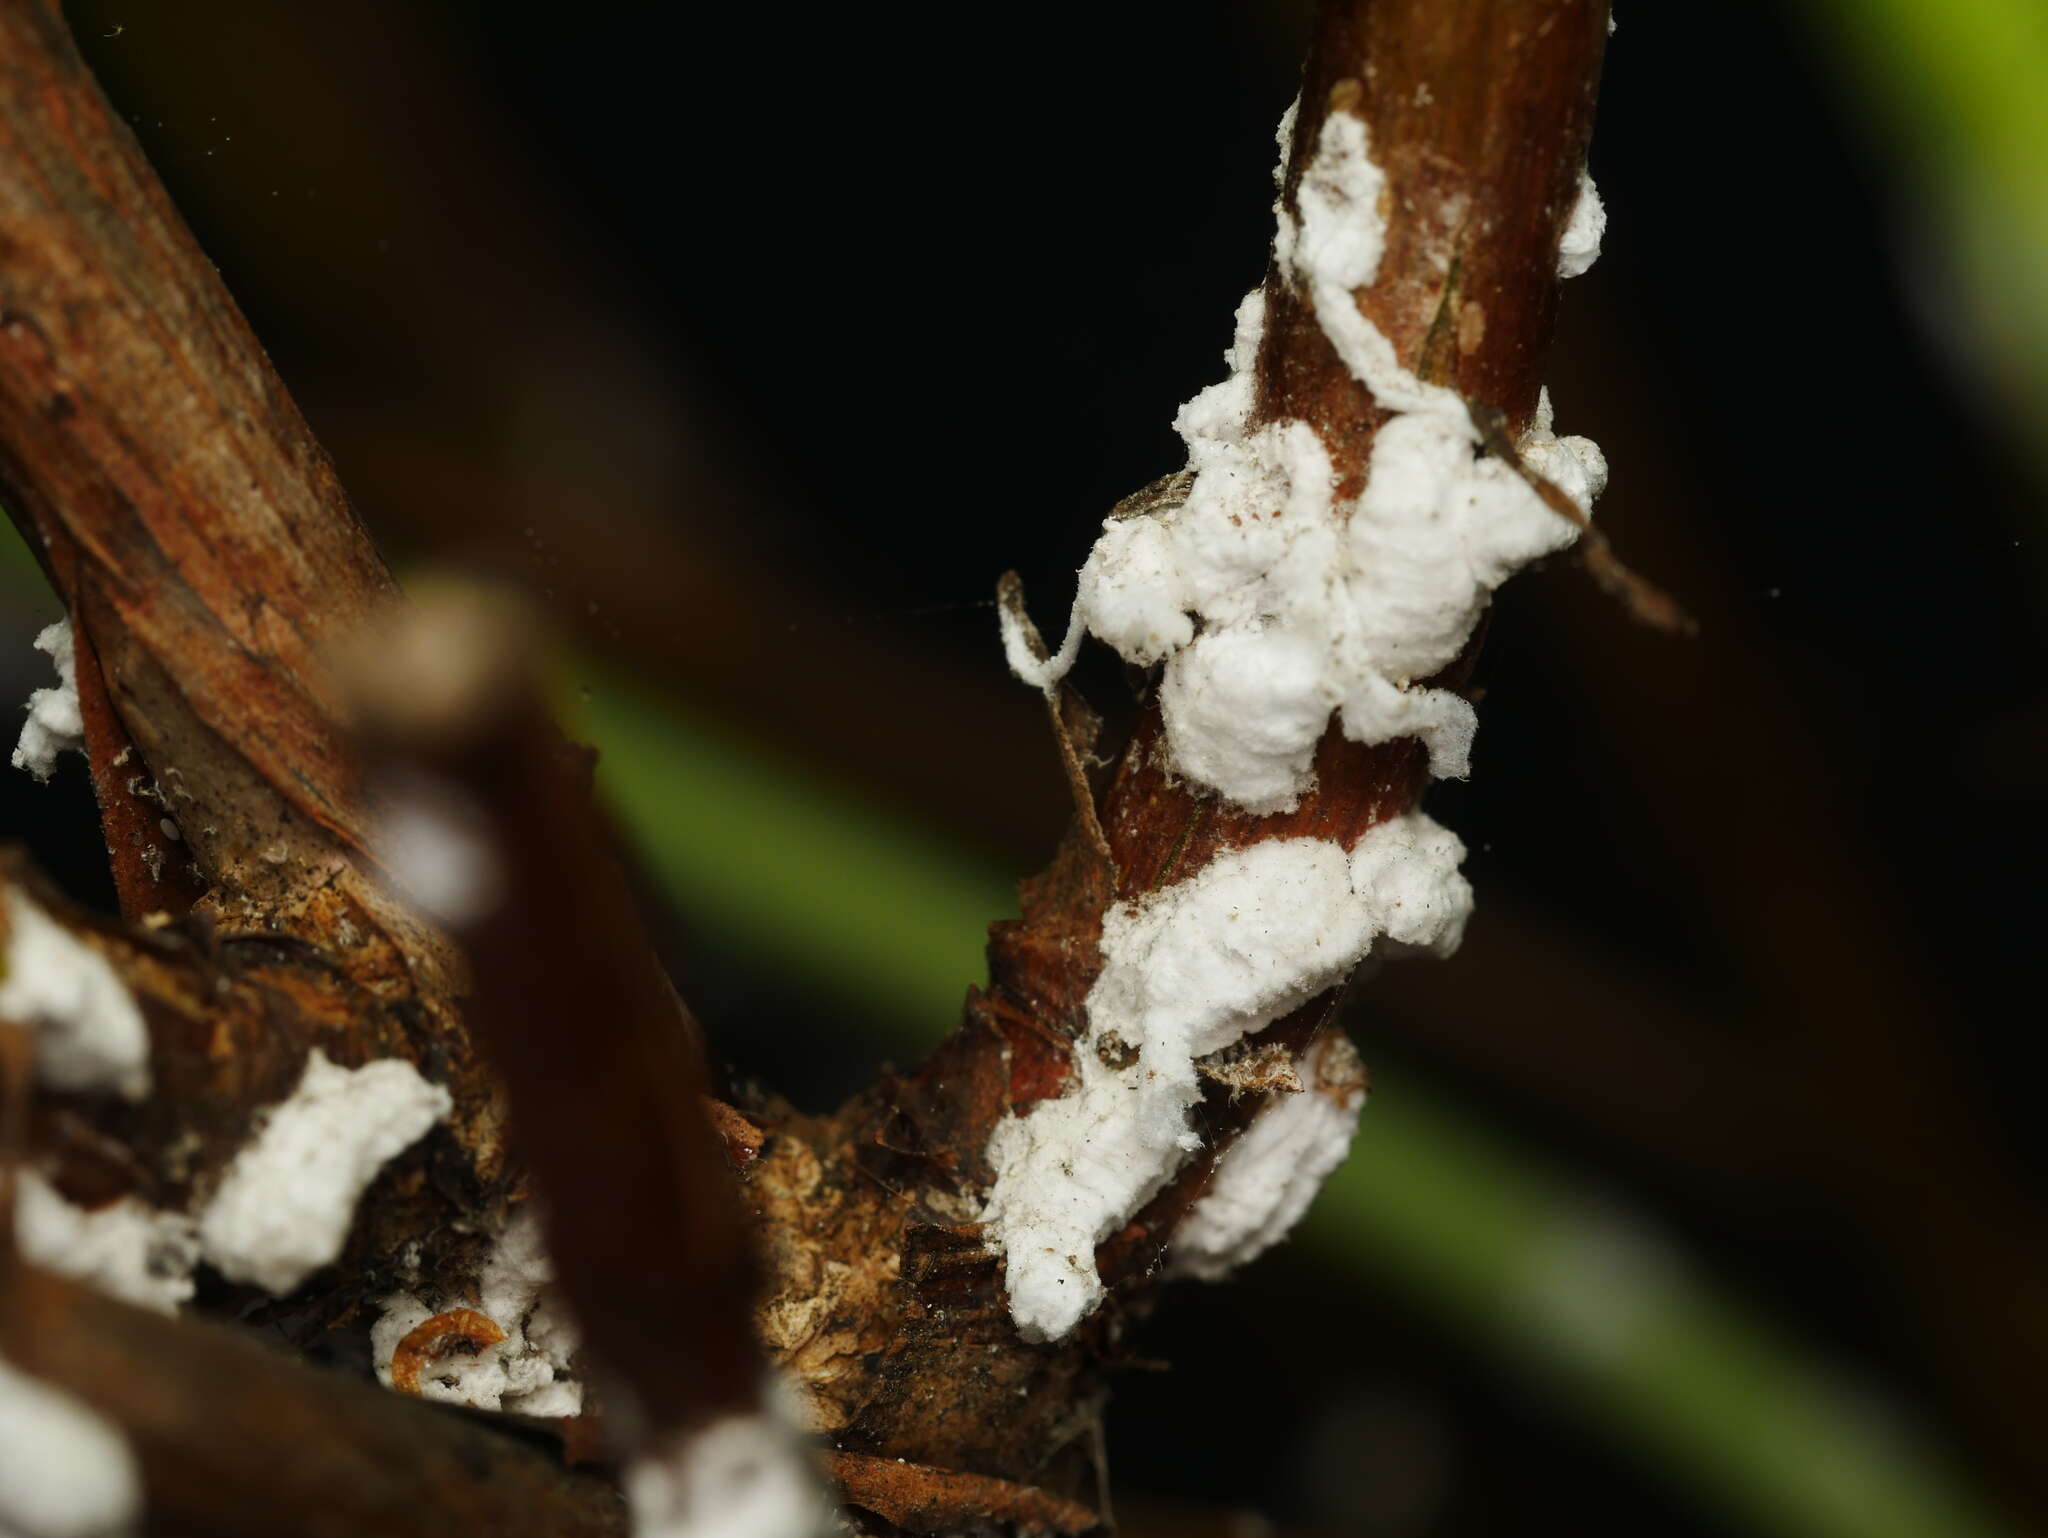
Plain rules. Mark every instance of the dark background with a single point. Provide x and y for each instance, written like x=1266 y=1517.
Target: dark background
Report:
x=761 y=342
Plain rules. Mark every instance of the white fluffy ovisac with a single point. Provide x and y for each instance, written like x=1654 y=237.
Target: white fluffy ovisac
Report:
x=1186 y=972
x=65 y=1470
x=55 y=724
x=743 y=1476
x=285 y=1205
x=126 y=1248
x=1264 y=1182
x=89 y=1035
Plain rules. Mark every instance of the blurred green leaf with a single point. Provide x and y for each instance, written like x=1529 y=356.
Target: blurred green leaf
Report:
x=766 y=861
x=1959 y=90
x=21 y=578
x=1529 y=1264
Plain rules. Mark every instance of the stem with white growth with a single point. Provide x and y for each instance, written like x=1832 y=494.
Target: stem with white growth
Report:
x=1324 y=567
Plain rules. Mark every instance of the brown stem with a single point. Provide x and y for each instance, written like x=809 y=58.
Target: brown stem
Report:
x=193 y=526
x=1479 y=113
x=210 y=564
x=236 y=1440
x=230 y=1024
x=217 y=580
x=602 y=1063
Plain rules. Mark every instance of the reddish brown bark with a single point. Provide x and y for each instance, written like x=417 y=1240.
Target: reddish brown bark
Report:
x=1479 y=112
x=191 y=517
x=153 y=872
x=922 y=1500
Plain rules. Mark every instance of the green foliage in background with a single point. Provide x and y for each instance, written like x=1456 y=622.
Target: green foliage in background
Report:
x=755 y=856
x=1958 y=89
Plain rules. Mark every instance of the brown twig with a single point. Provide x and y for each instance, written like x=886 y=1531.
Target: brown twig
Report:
x=209 y=563
x=927 y=1500
x=214 y=570
x=1479 y=115
x=1010 y=598
x=236 y=1440
x=1645 y=601
x=208 y=559
x=193 y=525
x=602 y=1063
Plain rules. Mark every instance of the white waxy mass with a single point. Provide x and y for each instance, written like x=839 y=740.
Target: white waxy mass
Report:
x=1272 y=603
x=1272 y=606
x=1186 y=972
x=65 y=1471
x=285 y=1205
x=55 y=723
x=89 y=1035
x=528 y=1372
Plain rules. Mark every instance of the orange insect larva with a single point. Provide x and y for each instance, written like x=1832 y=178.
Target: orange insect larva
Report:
x=431 y=1339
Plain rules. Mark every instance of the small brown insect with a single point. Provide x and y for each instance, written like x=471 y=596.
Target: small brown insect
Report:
x=432 y=1339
